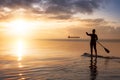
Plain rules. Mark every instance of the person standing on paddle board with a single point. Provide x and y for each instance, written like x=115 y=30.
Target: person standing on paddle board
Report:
x=93 y=41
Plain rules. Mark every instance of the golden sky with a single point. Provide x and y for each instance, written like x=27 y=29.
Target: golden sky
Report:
x=39 y=19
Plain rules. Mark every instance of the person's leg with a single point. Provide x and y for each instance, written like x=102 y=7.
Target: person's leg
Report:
x=91 y=48
x=95 y=49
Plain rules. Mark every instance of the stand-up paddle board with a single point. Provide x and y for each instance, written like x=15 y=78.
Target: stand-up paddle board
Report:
x=99 y=56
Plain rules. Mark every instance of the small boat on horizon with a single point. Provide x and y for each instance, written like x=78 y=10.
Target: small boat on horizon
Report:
x=73 y=37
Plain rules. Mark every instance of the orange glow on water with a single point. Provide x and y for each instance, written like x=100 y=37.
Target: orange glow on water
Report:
x=20 y=51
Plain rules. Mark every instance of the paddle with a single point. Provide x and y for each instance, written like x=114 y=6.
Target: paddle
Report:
x=104 y=47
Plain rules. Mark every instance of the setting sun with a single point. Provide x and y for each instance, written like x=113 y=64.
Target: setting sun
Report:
x=19 y=26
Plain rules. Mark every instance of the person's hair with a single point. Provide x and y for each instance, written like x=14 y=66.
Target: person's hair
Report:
x=93 y=30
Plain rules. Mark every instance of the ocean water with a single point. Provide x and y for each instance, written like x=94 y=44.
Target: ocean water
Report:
x=57 y=59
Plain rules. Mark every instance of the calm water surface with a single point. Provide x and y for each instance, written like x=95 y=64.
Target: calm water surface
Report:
x=57 y=60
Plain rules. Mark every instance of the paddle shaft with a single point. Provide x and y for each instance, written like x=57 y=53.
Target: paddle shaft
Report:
x=104 y=47
x=100 y=44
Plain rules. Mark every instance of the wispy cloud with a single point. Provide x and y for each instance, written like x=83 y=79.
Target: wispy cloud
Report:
x=58 y=9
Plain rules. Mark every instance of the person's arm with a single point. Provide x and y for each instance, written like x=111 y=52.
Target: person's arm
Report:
x=96 y=37
x=88 y=34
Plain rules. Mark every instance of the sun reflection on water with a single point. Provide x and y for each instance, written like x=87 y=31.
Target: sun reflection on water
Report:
x=20 y=52
x=20 y=65
x=20 y=49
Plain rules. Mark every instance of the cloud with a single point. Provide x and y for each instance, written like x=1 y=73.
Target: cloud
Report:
x=70 y=7
x=73 y=6
x=94 y=22
x=59 y=9
x=17 y=3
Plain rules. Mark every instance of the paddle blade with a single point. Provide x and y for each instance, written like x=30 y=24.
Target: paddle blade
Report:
x=107 y=50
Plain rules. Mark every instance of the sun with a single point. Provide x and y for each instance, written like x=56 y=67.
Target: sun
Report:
x=23 y=27
x=19 y=26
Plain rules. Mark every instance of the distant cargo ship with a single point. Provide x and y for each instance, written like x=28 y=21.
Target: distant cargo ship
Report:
x=73 y=37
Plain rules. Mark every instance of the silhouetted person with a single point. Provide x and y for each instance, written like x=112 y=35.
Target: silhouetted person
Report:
x=93 y=69
x=94 y=38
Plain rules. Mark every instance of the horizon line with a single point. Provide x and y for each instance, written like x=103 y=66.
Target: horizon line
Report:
x=76 y=39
